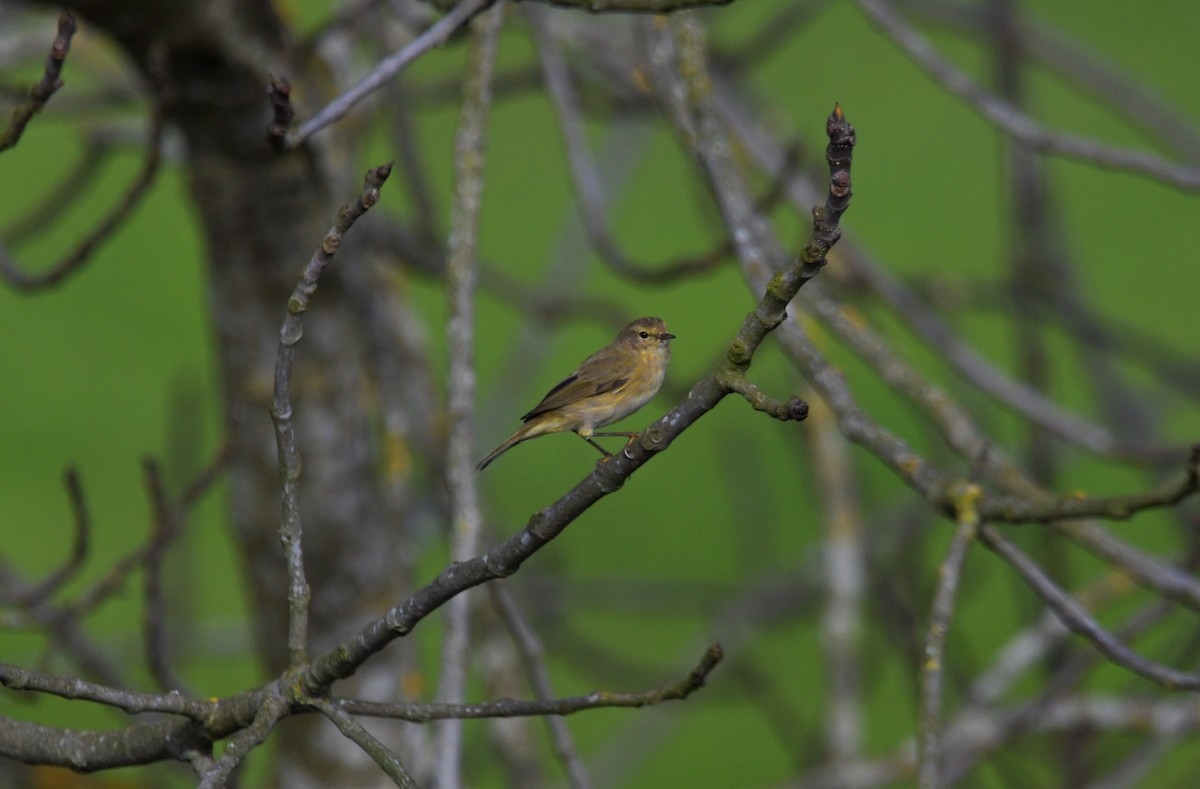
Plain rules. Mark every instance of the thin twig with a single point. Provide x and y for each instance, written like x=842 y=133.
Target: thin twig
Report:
x=98 y=149
x=975 y=368
x=414 y=163
x=461 y=276
x=1023 y=509
x=39 y=592
x=387 y=759
x=1015 y=123
x=930 y=723
x=1104 y=79
x=16 y=678
x=1076 y=617
x=968 y=744
x=49 y=84
x=24 y=282
x=290 y=333
x=62 y=622
x=270 y=711
x=1105 y=334
x=508 y=708
x=775 y=33
x=436 y=35
x=529 y=648
x=154 y=636
x=588 y=187
x=844 y=578
x=1170 y=582
x=954 y=422
x=124 y=567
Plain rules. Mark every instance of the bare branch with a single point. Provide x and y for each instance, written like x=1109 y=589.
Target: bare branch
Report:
x=39 y=592
x=387 y=760
x=154 y=626
x=1105 y=80
x=506 y=708
x=16 y=678
x=976 y=369
x=91 y=751
x=281 y=410
x=942 y=611
x=23 y=282
x=791 y=410
x=461 y=275
x=1017 y=124
x=529 y=647
x=40 y=93
x=271 y=709
x=953 y=421
x=436 y=35
x=1171 y=582
x=844 y=577
x=1078 y=620
x=589 y=193
x=1016 y=509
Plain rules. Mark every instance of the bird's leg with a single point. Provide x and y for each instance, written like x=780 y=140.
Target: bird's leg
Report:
x=630 y=436
x=603 y=451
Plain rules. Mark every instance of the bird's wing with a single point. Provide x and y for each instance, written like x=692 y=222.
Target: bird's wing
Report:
x=580 y=385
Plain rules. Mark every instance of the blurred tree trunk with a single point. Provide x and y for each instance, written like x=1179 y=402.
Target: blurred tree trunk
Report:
x=263 y=213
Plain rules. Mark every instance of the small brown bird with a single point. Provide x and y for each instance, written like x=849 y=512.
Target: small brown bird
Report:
x=607 y=386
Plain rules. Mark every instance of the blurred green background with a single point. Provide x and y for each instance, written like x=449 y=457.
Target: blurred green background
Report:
x=117 y=365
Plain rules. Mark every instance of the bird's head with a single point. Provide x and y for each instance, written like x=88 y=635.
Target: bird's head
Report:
x=646 y=334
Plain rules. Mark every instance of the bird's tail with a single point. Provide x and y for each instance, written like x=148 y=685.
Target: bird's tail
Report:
x=523 y=433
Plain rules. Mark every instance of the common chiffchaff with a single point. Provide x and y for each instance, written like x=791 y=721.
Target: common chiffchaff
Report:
x=607 y=386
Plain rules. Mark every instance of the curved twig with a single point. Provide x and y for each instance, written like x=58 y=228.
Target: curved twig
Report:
x=281 y=410
x=24 y=282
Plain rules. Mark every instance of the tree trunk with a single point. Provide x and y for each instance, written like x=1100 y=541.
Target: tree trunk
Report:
x=263 y=214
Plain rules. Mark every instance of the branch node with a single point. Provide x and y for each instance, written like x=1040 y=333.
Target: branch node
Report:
x=739 y=354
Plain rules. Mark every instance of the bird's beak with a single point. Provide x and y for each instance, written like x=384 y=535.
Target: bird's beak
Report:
x=666 y=336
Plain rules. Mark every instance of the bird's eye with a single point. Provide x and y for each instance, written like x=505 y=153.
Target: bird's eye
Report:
x=644 y=334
